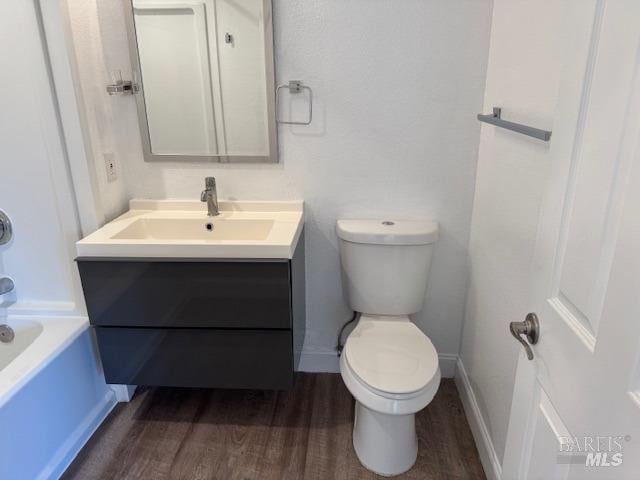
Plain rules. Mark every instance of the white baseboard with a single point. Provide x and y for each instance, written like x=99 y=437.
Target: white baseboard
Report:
x=448 y=363
x=488 y=456
x=319 y=362
x=324 y=361
x=72 y=446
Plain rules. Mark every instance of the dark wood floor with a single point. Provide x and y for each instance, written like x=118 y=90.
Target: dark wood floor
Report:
x=245 y=435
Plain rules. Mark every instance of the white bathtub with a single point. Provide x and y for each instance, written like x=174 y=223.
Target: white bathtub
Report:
x=52 y=395
x=26 y=332
x=33 y=348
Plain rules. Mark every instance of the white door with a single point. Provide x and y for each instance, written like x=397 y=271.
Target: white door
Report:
x=576 y=405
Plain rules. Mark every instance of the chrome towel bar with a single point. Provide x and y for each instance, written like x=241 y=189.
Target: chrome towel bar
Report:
x=496 y=119
x=295 y=87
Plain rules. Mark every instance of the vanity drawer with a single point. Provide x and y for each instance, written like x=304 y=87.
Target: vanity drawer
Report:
x=203 y=358
x=191 y=294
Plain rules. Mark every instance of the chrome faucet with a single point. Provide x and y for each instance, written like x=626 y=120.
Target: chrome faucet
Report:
x=210 y=195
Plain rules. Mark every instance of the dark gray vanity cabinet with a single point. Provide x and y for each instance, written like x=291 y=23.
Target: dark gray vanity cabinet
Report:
x=197 y=322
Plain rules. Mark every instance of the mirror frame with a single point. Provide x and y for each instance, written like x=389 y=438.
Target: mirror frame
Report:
x=272 y=131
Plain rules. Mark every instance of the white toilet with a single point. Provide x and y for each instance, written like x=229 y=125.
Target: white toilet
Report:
x=388 y=364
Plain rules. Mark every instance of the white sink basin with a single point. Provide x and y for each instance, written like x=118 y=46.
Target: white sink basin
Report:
x=182 y=229
x=209 y=229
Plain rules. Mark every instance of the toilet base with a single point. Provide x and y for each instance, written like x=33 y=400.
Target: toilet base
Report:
x=385 y=444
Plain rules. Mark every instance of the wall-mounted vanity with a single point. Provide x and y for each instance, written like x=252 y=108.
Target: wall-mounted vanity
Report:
x=178 y=298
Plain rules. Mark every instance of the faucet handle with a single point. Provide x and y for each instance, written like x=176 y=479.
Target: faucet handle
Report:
x=203 y=196
x=6 y=285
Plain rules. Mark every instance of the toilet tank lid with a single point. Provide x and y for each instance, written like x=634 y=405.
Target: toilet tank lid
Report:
x=388 y=232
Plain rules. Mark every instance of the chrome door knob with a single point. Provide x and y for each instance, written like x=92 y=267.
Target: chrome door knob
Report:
x=530 y=329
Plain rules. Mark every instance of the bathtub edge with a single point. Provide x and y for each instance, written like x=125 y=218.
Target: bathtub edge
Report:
x=70 y=449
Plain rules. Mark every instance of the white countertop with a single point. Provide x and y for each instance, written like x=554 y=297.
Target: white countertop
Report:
x=280 y=225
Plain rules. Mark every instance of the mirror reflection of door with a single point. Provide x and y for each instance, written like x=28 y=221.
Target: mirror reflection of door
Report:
x=203 y=76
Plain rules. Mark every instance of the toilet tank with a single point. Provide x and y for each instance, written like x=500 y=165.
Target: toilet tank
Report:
x=385 y=264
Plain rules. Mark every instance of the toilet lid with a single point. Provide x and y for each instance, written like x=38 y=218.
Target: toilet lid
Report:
x=392 y=356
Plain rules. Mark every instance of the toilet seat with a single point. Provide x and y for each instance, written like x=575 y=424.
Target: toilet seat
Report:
x=391 y=356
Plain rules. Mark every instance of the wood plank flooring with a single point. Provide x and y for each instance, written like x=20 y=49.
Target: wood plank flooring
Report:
x=304 y=433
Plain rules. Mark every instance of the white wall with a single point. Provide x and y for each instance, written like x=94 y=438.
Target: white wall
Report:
x=396 y=89
x=523 y=77
x=105 y=127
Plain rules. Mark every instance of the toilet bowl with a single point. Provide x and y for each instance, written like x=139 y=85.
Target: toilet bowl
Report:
x=391 y=369
x=388 y=364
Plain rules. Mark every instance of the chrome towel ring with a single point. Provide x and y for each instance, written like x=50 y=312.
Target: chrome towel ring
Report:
x=295 y=87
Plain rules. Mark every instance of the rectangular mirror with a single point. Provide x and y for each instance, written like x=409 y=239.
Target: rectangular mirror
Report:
x=204 y=76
